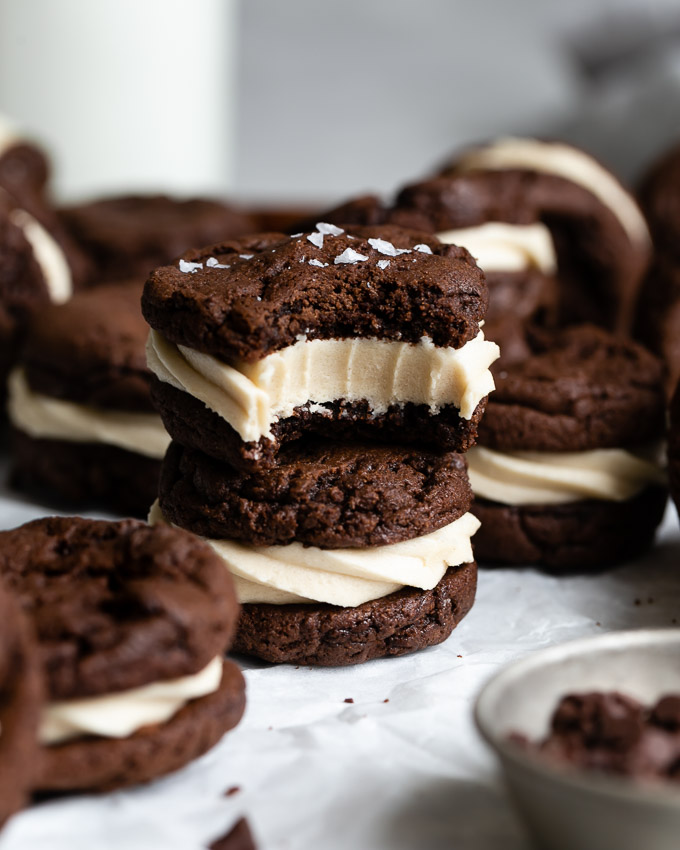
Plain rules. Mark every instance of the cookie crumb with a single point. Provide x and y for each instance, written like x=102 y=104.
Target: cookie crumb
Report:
x=233 y=790
x=348 y=699
x=385 y=700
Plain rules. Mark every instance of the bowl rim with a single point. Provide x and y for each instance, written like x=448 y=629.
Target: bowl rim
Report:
x=664 y=795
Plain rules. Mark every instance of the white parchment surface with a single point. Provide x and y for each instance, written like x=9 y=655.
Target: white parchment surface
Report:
x=400 y=768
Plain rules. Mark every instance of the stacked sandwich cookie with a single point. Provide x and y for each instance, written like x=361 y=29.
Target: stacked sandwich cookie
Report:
x=567 y=472
x=319 y=390
x=84 y=430
x=132 y=624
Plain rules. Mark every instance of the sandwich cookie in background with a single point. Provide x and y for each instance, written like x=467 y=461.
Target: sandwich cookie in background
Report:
x=20 y=706
x=372 y=335
x=340 y=552
x=674 y=449
x=129 y=235
x=511 y=245
x=566 y=473
x=132 y=625
x=84 y=430
x=658 y=315
x=24 y=168
x=601 y=238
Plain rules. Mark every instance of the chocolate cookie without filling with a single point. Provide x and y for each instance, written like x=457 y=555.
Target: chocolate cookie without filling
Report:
x=20 y=705
x=116 y=607
x=330 y=495
x=324 y=635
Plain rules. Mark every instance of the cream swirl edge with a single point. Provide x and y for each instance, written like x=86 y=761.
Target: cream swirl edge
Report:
x=43 y=417
x=501 y=247
x=345 y=577
x=252 y=396
x=562 y=161
x=121 y=714
x=49 y=255
x=553 y=478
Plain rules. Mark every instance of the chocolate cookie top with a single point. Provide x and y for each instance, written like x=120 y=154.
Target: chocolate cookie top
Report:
x=364 y=210
x=330 y=495
x=118 y=605
x=660 y=199
x=91 y=349
x=20 y=702
x=249 y=297
x=128 y=236
x=581 y=388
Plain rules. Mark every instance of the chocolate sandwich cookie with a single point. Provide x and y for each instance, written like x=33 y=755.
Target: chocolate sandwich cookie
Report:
x=600 y=235
x=658 y=315
x=373 y=334
x=24 y=168
x=566 y=474
x=132 y=624
x=128 y=236
x=674 y=449
x=20 y=706
x=340 y=553
x=84 y=429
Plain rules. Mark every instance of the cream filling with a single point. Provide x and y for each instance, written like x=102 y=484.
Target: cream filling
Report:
x=120 y=715
x=501 y=247
x=8 y=135
x=47 y=418
x=562 y=161
x=48 y=254
x=554 y=478
x=344 y=577
x=252 y=396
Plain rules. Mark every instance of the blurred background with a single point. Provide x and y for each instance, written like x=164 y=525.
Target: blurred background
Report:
x=298 y=100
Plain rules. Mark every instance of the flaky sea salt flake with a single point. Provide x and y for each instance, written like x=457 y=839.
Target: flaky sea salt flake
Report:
x=295 y=235
x=316 y=239
x=189 y=268
x=318 y=264
x=212 y=263
x=383 y=264
x=382 y=246
x=349 y=255
x=246 y=256
x=328 y=229
x=423 y=248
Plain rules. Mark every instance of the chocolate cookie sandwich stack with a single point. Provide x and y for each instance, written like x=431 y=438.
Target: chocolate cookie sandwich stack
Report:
x=132 y=624
x=319 y=390
x=84 y=429
x=567 y=474
x=601 y=238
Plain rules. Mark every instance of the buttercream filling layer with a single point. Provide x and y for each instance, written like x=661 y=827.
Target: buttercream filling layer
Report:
x=251 y=397
x=562 y=161
x=345 y=577
x=47 y=418
x=553 y=478
x=55 y=269
x=501 y=247
x=121 y=714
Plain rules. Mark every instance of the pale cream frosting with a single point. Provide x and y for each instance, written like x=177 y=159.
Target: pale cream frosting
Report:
x=48 y=254
x=121 y=714
x=8 y=135
x=43 y=417
x=252 y=396
x=345 y=577
x=562 y=161
x=498 y=246
x=553 y=478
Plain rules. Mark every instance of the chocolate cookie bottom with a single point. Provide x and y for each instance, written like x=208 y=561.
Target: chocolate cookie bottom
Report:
x=576 y=537
x=104 y=764
x=84 y=475
x=329 y=636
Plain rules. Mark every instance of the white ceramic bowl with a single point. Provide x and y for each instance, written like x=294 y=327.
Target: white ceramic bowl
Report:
x=577 y=810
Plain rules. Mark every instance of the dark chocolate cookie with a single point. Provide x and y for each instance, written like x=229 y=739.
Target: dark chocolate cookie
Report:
x=238 y=838
x=324 y=635
x=91 y=350
x=77 y=476
x=659 y=195
x=581 y=389
x=129 y=236
x=364 y=210
x=575 y=537
x=601 y=261
x=117 y=605
x=24 y=170
x=331 y=495
x=20 y=705
x=191 y=423
x=269 y=294
x=674 y=448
